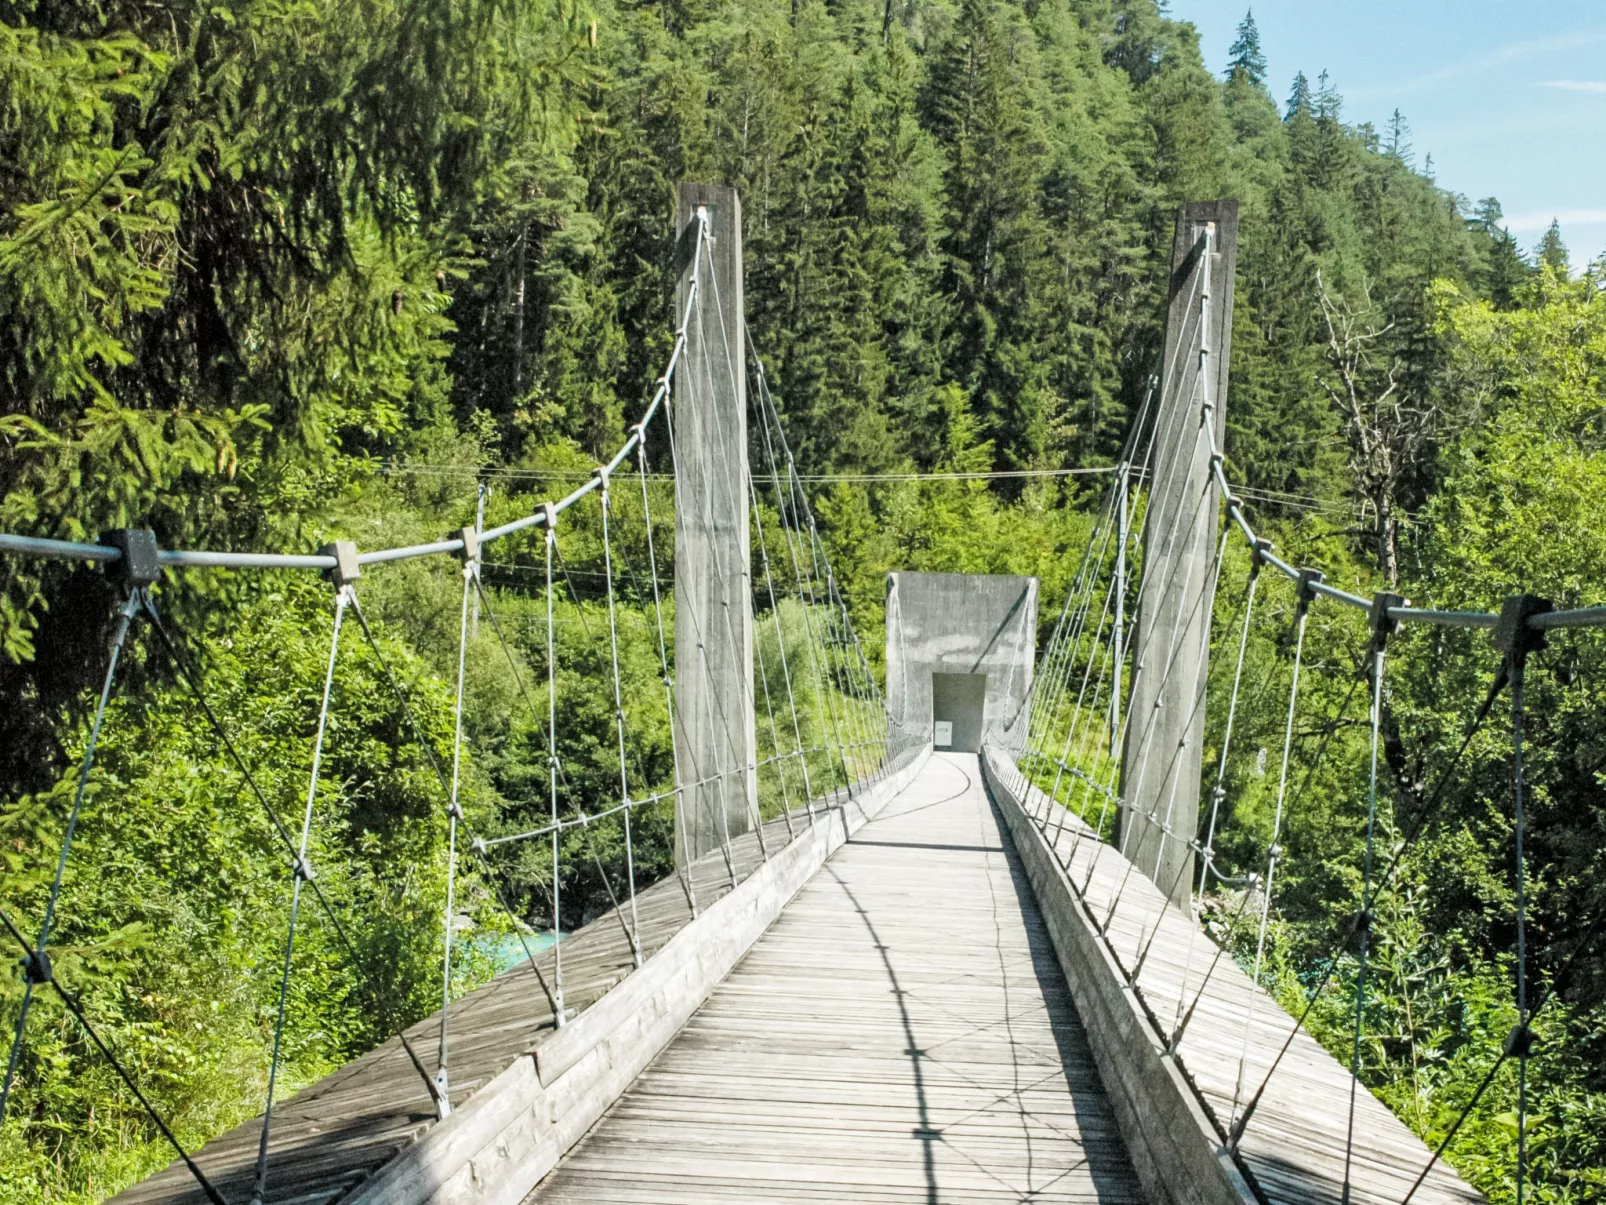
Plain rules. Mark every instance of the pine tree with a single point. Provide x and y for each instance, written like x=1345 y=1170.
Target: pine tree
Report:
x=1247 y=63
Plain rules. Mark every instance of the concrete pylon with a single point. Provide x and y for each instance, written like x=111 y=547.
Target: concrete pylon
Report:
x=714 y=722
x=1160 y=758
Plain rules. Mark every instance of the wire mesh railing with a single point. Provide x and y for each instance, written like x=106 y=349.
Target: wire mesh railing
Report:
x=592 y=665
x=1089 y=757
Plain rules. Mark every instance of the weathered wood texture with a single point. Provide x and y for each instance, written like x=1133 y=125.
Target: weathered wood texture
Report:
x=334 y=1135
x=902 y=1033
x=1293 y=1148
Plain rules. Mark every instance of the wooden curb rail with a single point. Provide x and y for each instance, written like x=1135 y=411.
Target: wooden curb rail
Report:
x=498 y=1144
x=1174 y=1148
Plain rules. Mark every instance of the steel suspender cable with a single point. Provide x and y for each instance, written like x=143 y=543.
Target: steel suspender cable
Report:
x=1272 y=852
x=668 y=676
x=1366 y=914
x=1517 y=638
x=786 y=502
x=1549 y=992
x=36 y=966
x=619 y=719
x=735 y=499
x=1218 y=795
x=552 y=773
x=780 y=643
x=1418 y=827
x=1206 y=595
x=477 y=845
x=302 y=873
x=690 y=800
x=454 y=813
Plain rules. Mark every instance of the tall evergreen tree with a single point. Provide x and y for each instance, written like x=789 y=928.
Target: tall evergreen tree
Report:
x=1397 y=139
x=1299 y=96
x=1552 y=251
x=1246 y=61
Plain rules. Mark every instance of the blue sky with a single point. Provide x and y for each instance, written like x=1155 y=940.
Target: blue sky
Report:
x=1509 y=98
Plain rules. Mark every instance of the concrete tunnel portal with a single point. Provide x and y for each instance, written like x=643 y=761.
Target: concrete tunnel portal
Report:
x=960 y=654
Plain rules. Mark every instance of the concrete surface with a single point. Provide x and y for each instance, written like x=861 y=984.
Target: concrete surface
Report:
x=959 y=623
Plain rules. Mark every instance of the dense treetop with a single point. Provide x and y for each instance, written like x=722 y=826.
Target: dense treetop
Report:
x=277 y=270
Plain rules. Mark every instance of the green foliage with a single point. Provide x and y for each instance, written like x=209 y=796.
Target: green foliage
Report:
x=277 y=270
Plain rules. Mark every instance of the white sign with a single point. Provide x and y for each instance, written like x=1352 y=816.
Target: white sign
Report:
x=943 y=737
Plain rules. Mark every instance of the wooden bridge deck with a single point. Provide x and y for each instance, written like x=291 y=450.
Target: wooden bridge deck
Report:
x=902 y=1033
x=1294 y=1143
x=335 y=1133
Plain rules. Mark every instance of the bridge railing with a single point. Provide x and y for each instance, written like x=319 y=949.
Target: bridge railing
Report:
x=1115 y=774
x=820 y=739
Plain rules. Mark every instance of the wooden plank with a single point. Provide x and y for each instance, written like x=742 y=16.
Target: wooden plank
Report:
x=336 y=1133
x=1294 y=1144
x=901 y=1033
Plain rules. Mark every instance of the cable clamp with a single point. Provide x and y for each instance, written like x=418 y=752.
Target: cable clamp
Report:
x=455 y=811
x=1383 y=624
x=470 y=536
x=602 y=474
x=1258 y=553
x=1305 y=586
x=1275 y=852
x=304 y=870
x=443 y=1101
x=1218 y=795
x=36 y=968
x=139 y=566
x=1512 y=635
x=1363 y=921
x=478 y=846
x=1519 y=1043
x=584 y=819
x=346 y=569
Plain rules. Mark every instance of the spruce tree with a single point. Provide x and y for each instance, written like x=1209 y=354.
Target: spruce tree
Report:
x=1398 y=139
x=1299 y=96
x=1247 y=63
x=1553 y=251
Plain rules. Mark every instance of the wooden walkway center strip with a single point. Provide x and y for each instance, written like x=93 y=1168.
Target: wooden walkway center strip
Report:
x=902 y=1033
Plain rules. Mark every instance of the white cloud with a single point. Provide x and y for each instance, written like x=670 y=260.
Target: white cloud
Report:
x=1527 y=223
x=1576 y=85
x=1478 y=68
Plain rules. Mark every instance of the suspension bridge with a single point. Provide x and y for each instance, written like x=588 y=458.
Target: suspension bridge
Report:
x=937 y=942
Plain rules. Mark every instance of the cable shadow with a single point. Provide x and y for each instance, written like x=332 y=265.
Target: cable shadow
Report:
x=927 y=1135
x=1107 y=1161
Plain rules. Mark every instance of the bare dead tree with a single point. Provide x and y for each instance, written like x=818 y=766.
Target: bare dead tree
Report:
x=1387 y=425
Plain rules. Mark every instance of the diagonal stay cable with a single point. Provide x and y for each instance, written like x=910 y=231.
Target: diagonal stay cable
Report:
x=1418 y=826
x=1519 y=1037
x=36 y=967
x=440 y=773
x=192 y=679
x=76 y=1007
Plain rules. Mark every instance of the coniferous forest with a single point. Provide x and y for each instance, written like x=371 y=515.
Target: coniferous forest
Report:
x=274 y=272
